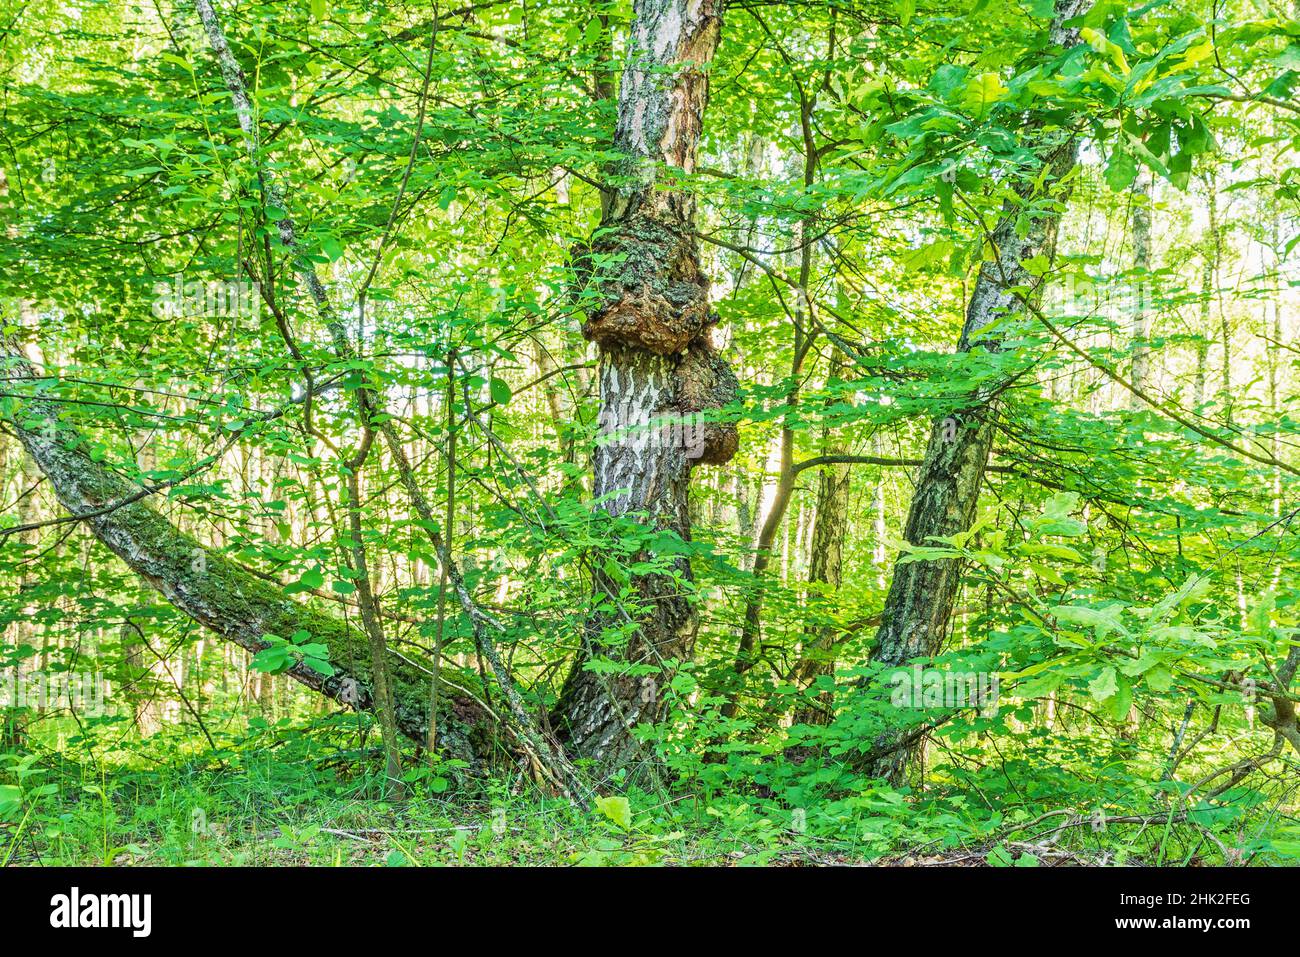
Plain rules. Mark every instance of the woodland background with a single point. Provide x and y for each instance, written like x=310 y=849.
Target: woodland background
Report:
x=648 y=391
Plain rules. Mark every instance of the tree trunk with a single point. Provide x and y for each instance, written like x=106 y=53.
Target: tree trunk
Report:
x=751 y=634
x=826 y=562
x=1275 y=369
x=1142 y=197
x=652 y=323
x=1209 y=282
x=922 y=594
x=1227 y=399
x=213 y=591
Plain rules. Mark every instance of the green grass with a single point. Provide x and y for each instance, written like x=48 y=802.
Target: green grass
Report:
x=281 y=797
x=284 y=795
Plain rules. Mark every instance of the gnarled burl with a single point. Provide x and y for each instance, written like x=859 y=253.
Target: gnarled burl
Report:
x=653 y=324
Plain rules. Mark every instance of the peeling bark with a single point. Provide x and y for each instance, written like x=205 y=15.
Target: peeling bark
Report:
x=658 y=366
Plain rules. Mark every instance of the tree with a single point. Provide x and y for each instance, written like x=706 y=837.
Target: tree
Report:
x=652 y=321
x=922 y=594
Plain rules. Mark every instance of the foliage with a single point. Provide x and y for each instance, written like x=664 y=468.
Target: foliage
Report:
x=1130 y=578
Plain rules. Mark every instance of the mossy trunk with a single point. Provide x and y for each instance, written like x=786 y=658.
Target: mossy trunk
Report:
x=215 y=592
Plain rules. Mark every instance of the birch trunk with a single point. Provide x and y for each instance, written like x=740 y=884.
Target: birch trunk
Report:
x=1142 y=196
x=211 y=590
x=652 y=323
x=922 y=594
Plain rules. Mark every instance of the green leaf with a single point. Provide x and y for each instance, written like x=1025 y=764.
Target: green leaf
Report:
x=1106 y=620
x=320 y=666
x=273 y=660
x=1121 y=169
x=332 y=248
x=998 y=857
x=1036 y=265
x=11 y=799
x=982 y=92
x=1104 y=685
x=1121 y=700
x=500 y=391
x=1159 y=678
x=616 y=809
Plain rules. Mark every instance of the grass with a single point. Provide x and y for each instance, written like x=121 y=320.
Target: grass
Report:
x=284 y=795
x=289 y=799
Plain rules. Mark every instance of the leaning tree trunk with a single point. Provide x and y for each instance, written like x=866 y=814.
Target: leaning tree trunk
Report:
x=922 y=594
x=213 y=591
x=652 y=323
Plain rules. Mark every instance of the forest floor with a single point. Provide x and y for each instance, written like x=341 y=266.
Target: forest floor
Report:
x=385 y=836
x=254 y=818
x=282 y=798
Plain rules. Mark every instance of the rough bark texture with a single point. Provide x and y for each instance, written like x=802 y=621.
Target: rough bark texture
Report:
x=657 y=364
x=922 y=594
x=215 y=592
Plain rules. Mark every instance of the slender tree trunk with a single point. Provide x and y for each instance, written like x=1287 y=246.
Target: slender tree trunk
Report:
x=752 y=624
x=744 y=511
x=826 y=562
x=1209 y=282
x=652 y=323
x=922 y=594
x=1275 y=370
x=359 y=563
x=136 y=674
x=368 y=407
x=364 y=402
x=1142 y=196
x=449 y=537
x=1226 y=398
